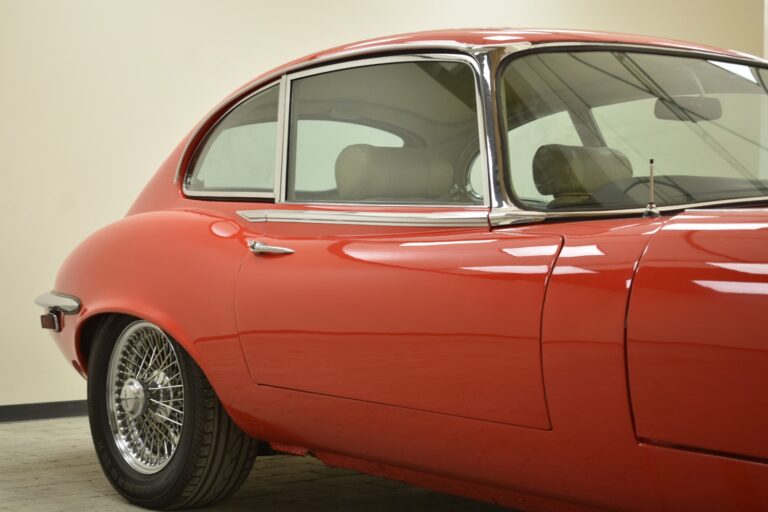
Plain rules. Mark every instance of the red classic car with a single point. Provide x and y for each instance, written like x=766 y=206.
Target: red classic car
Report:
x=529 y=267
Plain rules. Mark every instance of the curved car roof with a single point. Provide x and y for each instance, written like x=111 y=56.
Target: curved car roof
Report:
x=463 y=39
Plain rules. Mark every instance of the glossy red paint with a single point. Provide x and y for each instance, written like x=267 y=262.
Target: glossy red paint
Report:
x=696 y=338
x=177 y=269
x=548 y=366
x=440 y=320
x=591 y=452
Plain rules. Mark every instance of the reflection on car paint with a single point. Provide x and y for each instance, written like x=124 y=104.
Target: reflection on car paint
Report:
x=715 y=226
x=511 y=269
x=735 y=287
x=535 y=250
x=581 y=250
x=452 y=242
x=747 y=268
x=570 y=269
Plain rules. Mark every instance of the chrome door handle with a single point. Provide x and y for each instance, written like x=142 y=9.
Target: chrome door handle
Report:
x=257 y=247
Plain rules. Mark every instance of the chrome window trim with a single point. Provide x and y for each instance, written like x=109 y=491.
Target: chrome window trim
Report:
x=505 y=217
x=204 y=140
x=467 y=218
x=227 y=193
x=55 y=301
x=486 y=60
x=756 y=209
x=440 y=206
x=282 y=127
x=508 y=212
x=363 y=51
x=464 y=57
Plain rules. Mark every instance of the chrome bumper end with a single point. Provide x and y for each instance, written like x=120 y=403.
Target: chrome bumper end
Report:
x=56 y=304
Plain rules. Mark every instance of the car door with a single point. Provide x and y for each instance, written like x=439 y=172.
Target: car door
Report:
x=696 y=345
x=376 y=277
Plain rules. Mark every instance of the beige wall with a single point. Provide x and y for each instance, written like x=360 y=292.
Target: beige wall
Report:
x=94 y=94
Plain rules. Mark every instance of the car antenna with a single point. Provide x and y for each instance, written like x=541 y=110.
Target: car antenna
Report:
x=651 y=210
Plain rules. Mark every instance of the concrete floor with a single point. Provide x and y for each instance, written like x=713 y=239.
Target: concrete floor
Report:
x=50 y=466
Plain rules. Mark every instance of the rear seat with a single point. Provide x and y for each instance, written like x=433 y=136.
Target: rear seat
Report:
x=384 y=174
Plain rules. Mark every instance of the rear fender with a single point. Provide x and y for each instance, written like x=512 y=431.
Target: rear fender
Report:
x=176 y=269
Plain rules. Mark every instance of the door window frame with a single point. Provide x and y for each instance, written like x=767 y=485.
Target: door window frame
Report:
x=278 y=194
x=206 y=140
x=284 y=123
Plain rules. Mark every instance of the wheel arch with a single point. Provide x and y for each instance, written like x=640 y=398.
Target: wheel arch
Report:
x=89 y=325
x=84 y=337
x=176 y=269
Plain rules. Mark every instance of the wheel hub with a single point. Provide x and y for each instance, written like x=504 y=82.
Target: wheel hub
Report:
x=132 y=398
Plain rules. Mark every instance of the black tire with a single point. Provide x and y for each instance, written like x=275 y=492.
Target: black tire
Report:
x=212 y=457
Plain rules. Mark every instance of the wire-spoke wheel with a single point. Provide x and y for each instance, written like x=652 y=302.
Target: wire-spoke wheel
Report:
x=145 y=397
x=162 y=437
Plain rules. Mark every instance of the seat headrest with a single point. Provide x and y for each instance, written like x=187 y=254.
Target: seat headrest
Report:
x=372 y=172
x=574 y=170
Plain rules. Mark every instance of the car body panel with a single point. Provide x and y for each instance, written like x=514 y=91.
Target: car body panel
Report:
x=439 y=319
x=696 y=335
x=507 y=456
x=586 y=383
x=177 y=269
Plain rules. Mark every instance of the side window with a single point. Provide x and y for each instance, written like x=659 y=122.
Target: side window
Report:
x=523 y=141
x=475 y=182
x=390 y=133
x=238 y=156
x=320 y=142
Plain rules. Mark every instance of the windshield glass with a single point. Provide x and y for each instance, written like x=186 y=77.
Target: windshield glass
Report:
x=582 y=127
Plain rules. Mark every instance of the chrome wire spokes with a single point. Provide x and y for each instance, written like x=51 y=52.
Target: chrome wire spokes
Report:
x=145 y=397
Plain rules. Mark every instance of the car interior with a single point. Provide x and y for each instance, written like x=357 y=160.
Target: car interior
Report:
x=581 y=130
x=616 y=111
